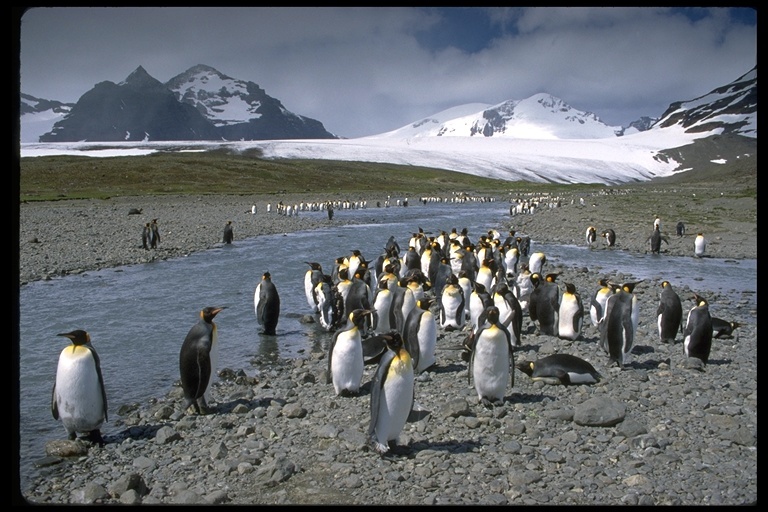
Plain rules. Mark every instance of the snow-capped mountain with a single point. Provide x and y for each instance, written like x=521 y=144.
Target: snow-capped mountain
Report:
x=38 y=116
x=241 y=109
x=731 y=108
x=542 y=116
x=540 y=139
x=199 y=104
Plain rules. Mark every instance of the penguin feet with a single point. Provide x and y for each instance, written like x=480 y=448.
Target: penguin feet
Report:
x=348 y=393
x=491 y=403
x=94 y=436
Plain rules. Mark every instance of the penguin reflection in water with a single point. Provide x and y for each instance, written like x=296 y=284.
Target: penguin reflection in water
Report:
x=266 y=302
x=392 y=395
x=79 y=399
x=198 y=360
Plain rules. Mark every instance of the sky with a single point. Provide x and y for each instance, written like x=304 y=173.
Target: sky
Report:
x=367 y=70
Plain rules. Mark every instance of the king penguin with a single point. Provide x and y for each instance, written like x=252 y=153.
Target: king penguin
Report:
x=79 y=398
x=345 y=355
x=536 y=262
x=591 y=235
x=452 y=305
x=492 y=360
x=656 y=238
x=610 y=237
x=198 y=359
x=266 y=303
x=571 y=314
x=619 y=324
x=699 y=245
x=544 y=306
x=328 y=311
x=597 y=304
x=228 y=235
x=669 y=314
x=392 y=395
x=312 y=277
x=723 y=328
x=383 y=316
x=524 y=287
x=510 y=311
x=565 y=369
x=420 y=335
x=697 y=336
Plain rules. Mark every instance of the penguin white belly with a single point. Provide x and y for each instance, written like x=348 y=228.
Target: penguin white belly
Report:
x=569 y=327
x=505 y=310
x=78 y=391
x=347 y=364
x=490 y=368
x=309 y=292
x=466 y=288
x=256 y=299
x=393 y=409
x=324 y=305
x=427 y=340
x=452 y=310
x=382 y=305
x=485 y=277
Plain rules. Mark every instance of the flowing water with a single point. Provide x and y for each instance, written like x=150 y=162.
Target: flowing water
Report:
x=139 y=315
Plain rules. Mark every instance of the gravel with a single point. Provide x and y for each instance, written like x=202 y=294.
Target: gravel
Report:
x=662 y=430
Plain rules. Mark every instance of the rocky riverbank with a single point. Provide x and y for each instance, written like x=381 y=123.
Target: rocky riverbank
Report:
x=664 y=430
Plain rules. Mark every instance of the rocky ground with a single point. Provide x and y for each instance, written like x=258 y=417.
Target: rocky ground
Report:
x=663 y=430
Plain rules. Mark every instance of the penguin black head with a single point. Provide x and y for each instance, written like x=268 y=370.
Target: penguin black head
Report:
x=526 y=367
x=630 y=287
x=78 y=336
x=665 y=284
x=210 y=312
x=492 y=314
x=699 y=300
x=314 y=265
x=535 y=278
x=551 y=277
x=479 y=287
x=394 y=340
x=357 y=316
x=570 y=288
x=425 y=303
x=343 y=273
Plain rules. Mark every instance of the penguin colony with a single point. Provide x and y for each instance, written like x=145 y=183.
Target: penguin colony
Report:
x=390 y=311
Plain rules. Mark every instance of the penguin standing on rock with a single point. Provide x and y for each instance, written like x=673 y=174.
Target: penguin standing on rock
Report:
x=544 y=306
x=492 y=360
x=452 y=305
x=79 y=399
x=619 y=324
x=154 y=234
x=146 y=233
x=656 y=238
x=697 y=336
x=571 y=314
x=345 y=355
x=266 y=303
x=680 y=229
x=591 y=235
x=699 y=245
x=610 y=237
x=597 y=304
x=420 y=335
x=392 y=395
x=669 y=314
x=312 y=277
x=198 y=360
x=228 y=235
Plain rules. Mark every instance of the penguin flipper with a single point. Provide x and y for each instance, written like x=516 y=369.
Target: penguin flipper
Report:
x=97 y=361
x=54 y=405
